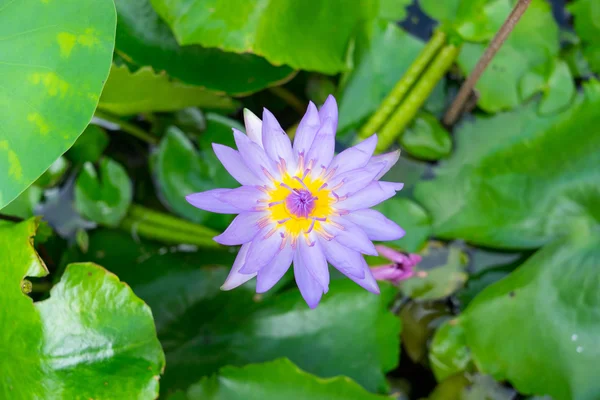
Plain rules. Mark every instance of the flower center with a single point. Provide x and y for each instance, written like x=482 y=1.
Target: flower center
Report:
x=300 y=203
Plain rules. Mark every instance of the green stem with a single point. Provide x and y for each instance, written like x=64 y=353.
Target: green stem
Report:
x=166 y=234
x=143 y=214
x=290 y=98
x=393 y=99
x=127 y=127
x=417 y=96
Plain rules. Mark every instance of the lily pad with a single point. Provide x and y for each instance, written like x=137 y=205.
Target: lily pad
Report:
x=103 y=196
x=146 y=40
x=241 y=26
x=554 y=298
x=203 y=328
x=93 y=338
x=524 y=186
x=587 y=15
x=180 y=169
x=426 y=138
x=533 y=42
x=438 y=275
x=279 y=379
x=55 y=58
x=145 y=91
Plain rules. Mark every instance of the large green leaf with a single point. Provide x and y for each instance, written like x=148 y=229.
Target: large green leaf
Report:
x=426 y=138
x=203 y=328
x=533 y=42
x=549 y=306
x=93 y=338
x=279 y=379
x=55 y=58
x=300 y=34
x=144 y=91
x=587 y=15
x=144 y=39
x=383 y=53
x=518 y=180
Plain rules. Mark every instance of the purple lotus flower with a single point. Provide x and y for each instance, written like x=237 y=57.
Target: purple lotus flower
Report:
x=402 y=267
x=301 y=203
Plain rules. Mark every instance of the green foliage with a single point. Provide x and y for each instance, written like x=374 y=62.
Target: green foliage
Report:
x=54 y=61
x=587 y=14
x=143 y=90
x=274 y=380
x=519 y=187
x=145 y=40
x=236 y=26
x=412 y=218
x=90 y=145
x=93 y=338
x=547 y=307
x=103 y=196
x=426 y=138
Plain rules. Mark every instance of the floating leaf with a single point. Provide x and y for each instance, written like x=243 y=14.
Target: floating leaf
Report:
x=146 y=40
x=103 y=196
x=23 y=206
x=534 y=41
x=393 y=10
x=249 y=27
x=587 y=15
x=426 y=138
x=55 y=58
x=473 y=20
x=412 y=218
x=448 y=354
x=93 y=338
x=180 y=170
x=273 y=381
x=203 y=328
x=547 y=306
x=519 y=187
x=54 y=173
x=554 y=81
x=142 y=91
x=438 y=275
x=383 y=53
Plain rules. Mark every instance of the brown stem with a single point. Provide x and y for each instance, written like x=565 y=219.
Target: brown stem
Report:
x=467 y=87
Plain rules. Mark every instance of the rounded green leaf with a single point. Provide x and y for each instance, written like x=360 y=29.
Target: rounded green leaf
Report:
x=448 y=353
x=145 y=91
x=438 y=275
x=180 y=169
x=214 y=328
x=533 y=41
x=103 y=196
x=55 y=58
x=145 y=40
x=548 y=306
x=93 y=338
x=305 y=39
x=524 y=186
x=275 y=380
x=426 y=138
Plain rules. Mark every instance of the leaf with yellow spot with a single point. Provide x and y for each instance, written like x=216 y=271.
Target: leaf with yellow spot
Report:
x=56 y=55
x=56 y=349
